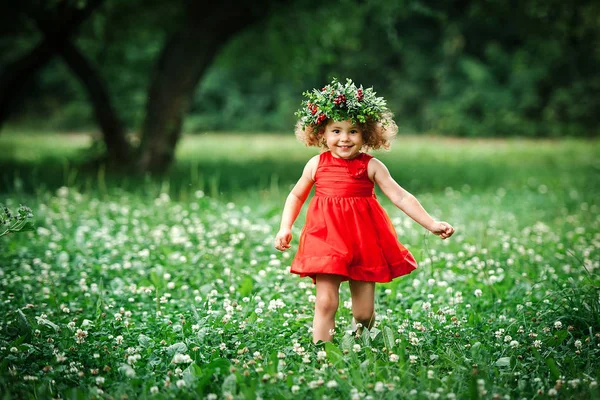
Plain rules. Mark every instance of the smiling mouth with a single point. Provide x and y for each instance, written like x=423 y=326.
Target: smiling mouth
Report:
x=345 y=147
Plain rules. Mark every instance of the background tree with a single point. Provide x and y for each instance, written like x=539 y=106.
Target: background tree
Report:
x=185 y=57
x=462 y=68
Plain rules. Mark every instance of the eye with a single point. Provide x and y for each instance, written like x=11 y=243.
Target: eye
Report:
x=353 y=131
x=336 y=131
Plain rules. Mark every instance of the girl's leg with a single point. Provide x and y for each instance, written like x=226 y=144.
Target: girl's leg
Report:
x=328 y=294
x=363 y=303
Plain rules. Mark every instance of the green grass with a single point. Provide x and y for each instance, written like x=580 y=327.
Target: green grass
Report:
x=147 y=269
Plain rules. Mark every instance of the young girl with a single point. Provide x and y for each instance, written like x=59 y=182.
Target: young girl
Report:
x=347 y=235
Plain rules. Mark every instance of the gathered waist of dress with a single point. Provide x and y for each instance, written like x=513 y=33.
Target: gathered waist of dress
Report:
x=346 y=192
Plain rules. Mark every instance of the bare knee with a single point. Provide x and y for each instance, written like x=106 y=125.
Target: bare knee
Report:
x=327 y=303
x=365 y=316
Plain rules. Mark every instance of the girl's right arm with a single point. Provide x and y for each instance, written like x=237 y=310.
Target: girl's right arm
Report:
x=406 y=201
x=294 y=202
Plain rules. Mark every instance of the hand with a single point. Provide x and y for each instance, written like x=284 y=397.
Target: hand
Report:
x=443 y=229
x=283 y=239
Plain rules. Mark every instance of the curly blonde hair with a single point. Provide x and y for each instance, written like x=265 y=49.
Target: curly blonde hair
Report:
x=376 y=134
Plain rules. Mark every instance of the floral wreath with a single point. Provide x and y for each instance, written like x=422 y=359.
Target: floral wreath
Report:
x=340 y=102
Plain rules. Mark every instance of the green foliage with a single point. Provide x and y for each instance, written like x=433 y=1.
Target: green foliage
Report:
x=440 y=70
x=154 y=289
x=474 y=69
x=122 y=40
x=13 y=223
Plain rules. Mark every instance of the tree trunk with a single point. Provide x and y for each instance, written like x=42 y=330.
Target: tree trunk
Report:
x=18 y=73
x=184 y=59
x=117 y=148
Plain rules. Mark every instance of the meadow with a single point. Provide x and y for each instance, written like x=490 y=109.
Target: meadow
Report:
x=139 y=287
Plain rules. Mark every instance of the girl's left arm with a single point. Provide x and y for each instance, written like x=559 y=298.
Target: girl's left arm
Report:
x=406 y=201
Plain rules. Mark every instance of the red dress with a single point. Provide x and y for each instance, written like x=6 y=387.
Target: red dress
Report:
x=347 y=232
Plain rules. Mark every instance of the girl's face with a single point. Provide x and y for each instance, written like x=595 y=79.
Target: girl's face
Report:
x=343 y=138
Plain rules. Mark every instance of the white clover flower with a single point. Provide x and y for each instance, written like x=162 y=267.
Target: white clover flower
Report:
x=127 y=370
x=557 y=325
x=100 y=380
x=412 y=359
x=552 y=392
x=119 y=339
x=430 y=374
x=514 y=344
x=154 y=389
x=180 y=383
x=426 y=306
x=537 y=344
x=379 y=387
x=478 y=293
x=131 y=360
x=578 y=344
x=295 y=388
x=321 y=355
x=394 y=357
x=80 y=336
x=574 y=382
x=356 y=348
x=181 y=359
x=332 y=384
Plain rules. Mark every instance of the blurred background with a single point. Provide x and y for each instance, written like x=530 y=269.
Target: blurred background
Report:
x=139 y=74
